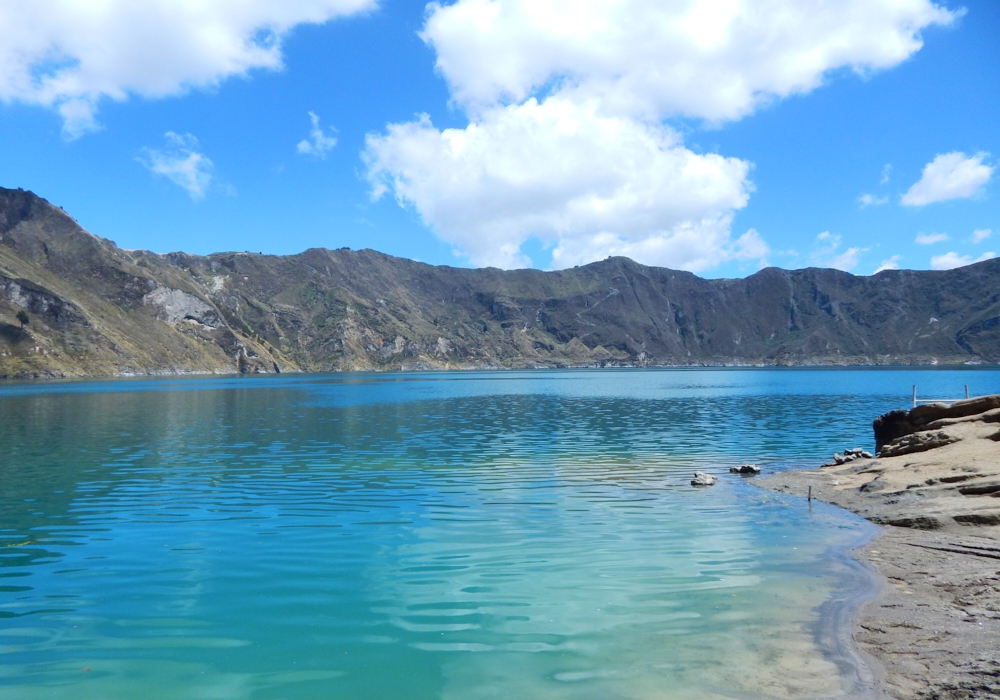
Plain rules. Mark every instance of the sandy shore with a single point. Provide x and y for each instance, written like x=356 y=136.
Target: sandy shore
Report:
x=934 y=629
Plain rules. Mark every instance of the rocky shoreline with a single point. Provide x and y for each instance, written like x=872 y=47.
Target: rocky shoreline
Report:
x=934 y=629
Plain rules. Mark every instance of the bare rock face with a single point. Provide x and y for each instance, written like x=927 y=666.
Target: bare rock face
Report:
x=175 y=305
x=39 y=301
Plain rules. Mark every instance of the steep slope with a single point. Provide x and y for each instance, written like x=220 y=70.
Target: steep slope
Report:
x=95 y=309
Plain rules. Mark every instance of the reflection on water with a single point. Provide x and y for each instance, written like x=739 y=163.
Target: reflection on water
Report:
x=461 y=535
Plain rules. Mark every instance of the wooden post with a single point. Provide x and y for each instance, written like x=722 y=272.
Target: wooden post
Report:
x=914 y=395
x=810 y=494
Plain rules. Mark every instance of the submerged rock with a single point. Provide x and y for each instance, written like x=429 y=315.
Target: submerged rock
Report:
x=703 y=479
x=745 y=469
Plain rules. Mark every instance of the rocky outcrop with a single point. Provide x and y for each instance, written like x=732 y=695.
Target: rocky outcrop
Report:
x=36 y=299
x=896 y=424
x=944 y=477
x=175 y=305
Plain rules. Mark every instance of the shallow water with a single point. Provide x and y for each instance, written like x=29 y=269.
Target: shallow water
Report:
x=451 y=535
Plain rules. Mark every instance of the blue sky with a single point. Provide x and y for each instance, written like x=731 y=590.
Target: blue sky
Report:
x=715 y=136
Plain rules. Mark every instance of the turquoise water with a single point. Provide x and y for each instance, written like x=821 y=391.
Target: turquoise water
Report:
x=451 y=535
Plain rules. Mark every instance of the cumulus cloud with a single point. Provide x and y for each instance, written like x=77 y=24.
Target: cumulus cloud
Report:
x=712 y=60
x=951 y=260
x=828 y=254
x=318 y=144
x=949 y=176
x=891 y=263
x=980 y=235
x=180 y=162
x=69 y=55
x=869 y=200
x=592 y=185
x=929 y=238
x=566 y=102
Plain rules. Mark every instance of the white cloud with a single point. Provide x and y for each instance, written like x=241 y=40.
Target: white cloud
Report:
x=949 y=176
x=868 y=200
x=980 y=235
x=891 y=263
x=929 y=238
x=566 y=100
x=71 y=54
x=647 y=58
x=592 y=185
x=181 y=163
x=952 y=260
x=827 y=256
x=886 y=172
x=318 y=144
x=846 y=261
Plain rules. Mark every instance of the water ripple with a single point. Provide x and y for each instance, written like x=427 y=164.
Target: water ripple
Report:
x=422 y=536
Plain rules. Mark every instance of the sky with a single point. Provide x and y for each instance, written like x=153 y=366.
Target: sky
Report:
x=716 y=136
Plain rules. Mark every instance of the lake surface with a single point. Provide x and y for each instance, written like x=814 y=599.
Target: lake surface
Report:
x=449 y=535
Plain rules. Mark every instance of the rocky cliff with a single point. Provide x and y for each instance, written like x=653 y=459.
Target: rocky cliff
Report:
x=96 y=309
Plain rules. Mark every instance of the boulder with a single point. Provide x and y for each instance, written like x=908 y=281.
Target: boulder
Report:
x=703 y=479
x=745 y=469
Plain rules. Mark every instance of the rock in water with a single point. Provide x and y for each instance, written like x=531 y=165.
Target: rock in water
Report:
x=745 y=469
x=703 y=479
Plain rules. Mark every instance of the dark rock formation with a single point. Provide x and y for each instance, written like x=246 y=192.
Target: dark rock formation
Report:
x=103 y=310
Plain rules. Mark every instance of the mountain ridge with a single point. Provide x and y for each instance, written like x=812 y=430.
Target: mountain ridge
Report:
x=96 y=309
